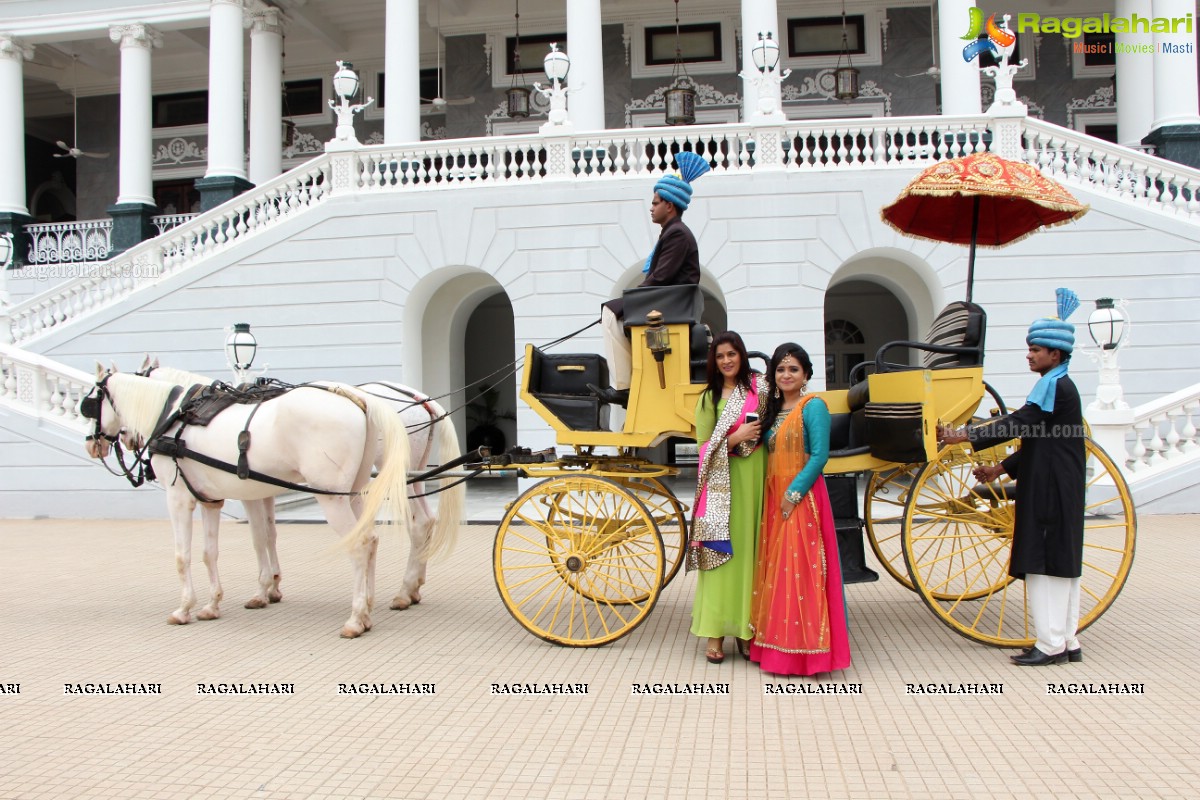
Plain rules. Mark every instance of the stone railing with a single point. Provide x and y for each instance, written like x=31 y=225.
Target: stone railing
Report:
x=1076 y=159
x=165 y=222
x=83 y=242
x=799 y=146
x=1152 y=438
x=204 y=235
x=42 y=388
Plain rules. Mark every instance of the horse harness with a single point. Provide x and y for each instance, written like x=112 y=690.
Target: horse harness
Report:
x=199 y=406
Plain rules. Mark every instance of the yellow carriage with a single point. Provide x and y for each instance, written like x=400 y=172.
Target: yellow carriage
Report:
x=581 y=556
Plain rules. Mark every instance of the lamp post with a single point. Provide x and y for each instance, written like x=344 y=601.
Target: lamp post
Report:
x=345 y=86
x=240 y=347
x=1108 y=326
x=557 y=66
x=768 y=79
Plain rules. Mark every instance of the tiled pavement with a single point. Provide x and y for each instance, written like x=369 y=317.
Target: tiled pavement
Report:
x=88 y=601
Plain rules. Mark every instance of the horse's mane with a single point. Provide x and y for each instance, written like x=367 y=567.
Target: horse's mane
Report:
x=139 y=400
x=180 y=376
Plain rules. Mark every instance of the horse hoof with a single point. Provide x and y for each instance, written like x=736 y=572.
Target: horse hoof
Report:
x=256 y=602
x=400 y=602
x=176 y=620
x=206 y=614
x=275 y=596
x=352 y=631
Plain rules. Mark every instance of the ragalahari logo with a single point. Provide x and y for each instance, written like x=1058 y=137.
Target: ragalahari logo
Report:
x=1000 y=40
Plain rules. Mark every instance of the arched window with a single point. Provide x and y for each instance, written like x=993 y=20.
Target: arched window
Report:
x=844 y=349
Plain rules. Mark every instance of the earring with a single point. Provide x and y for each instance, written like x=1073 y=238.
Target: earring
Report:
x=804 y=387
x=776 y=392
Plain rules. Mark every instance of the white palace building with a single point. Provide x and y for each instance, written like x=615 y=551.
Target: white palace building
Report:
x=174 y=167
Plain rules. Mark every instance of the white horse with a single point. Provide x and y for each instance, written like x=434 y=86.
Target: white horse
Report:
x=328 y=440
x=430 y=432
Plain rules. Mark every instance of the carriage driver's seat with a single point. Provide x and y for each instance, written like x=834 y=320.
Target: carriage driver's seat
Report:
x=954 y=340
x=678 y=304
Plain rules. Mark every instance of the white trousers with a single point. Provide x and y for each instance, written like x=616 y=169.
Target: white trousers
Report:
x=1054 y=608
x=617 y=349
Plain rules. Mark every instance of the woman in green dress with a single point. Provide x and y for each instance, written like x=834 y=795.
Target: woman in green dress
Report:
x=723 y=543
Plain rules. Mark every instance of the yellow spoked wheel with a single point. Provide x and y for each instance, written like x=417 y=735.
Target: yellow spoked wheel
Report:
x=957 y=543
x=884 y=501
x=578 y=561
x=670 y=516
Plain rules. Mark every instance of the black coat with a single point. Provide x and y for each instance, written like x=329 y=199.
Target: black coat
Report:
x=1050 y=473
x=676 y=261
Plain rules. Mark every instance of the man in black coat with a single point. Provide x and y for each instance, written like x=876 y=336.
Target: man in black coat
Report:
x=675 y=261
x=1049 y=468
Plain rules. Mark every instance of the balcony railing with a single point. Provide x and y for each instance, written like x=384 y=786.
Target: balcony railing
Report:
x=909 y=143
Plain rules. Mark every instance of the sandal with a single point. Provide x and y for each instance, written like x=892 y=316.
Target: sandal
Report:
x=715 y=655
x=743 y=648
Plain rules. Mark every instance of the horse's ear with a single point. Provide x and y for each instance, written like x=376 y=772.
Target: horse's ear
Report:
x=99 y=371
x=145 y=363
x=114 y=367
x=156 y=364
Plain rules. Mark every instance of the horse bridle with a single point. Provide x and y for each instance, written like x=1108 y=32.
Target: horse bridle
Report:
x=89 y=408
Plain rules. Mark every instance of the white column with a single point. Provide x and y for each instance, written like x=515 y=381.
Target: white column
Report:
x=758 y=16
x=135 y=184
x=266 y=101
x=1175 y=83
x=1135 y=72
x=402 y=71
x=12 y=128
x=960 y=79
x=226 y=124
x=586 y=49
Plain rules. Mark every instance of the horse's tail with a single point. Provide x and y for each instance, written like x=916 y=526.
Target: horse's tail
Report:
x=389 y=488
x=452 y=500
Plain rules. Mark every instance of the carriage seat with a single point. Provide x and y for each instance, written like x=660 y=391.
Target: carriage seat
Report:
x=954 y=340
x=560 y=381
x=678 y=305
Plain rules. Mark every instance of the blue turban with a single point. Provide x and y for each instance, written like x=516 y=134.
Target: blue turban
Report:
x=1056 y=334
x=677 y=189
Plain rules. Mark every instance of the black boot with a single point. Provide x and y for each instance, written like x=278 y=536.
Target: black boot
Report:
x=618 y=397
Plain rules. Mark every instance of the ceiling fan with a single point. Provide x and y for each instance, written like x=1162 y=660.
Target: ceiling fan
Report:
x=439 y=101
x=71 y=150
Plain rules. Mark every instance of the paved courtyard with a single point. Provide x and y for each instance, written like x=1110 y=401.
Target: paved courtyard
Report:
x=87 y=602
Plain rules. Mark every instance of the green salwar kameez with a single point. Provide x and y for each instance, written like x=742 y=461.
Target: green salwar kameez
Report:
x=722 y=602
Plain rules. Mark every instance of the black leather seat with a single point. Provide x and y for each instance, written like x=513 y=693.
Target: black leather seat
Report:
x=678 y=305
x=955 y=340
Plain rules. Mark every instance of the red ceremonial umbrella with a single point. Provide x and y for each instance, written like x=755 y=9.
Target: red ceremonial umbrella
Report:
x=983 y=200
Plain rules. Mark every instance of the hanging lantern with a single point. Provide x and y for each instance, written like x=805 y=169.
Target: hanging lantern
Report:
x=517 y=97
x=845 y=78
x=680 y=99
x=681 y=102
x=289 y=133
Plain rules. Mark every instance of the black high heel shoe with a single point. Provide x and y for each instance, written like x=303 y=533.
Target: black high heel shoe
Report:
x=743 y=647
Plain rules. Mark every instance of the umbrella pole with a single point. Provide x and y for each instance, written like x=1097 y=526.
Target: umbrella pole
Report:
x=971 y=256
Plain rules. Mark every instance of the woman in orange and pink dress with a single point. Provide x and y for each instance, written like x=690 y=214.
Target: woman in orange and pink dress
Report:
x=798 y=611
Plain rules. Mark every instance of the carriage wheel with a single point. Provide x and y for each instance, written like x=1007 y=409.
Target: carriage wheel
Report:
x=884 y=501
x=958 y=537
x=578 y=561
x=670 y=516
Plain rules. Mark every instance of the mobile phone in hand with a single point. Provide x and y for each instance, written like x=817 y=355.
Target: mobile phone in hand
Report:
x=751 y=418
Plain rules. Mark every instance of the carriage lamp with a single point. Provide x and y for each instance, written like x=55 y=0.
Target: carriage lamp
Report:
x=658 y=339
x=240 y=347
x=345 y=86
x=1107 y=324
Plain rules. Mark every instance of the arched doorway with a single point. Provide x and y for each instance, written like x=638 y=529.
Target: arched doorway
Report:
x=860 y=317
x=458 y=328
x=491 y=411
